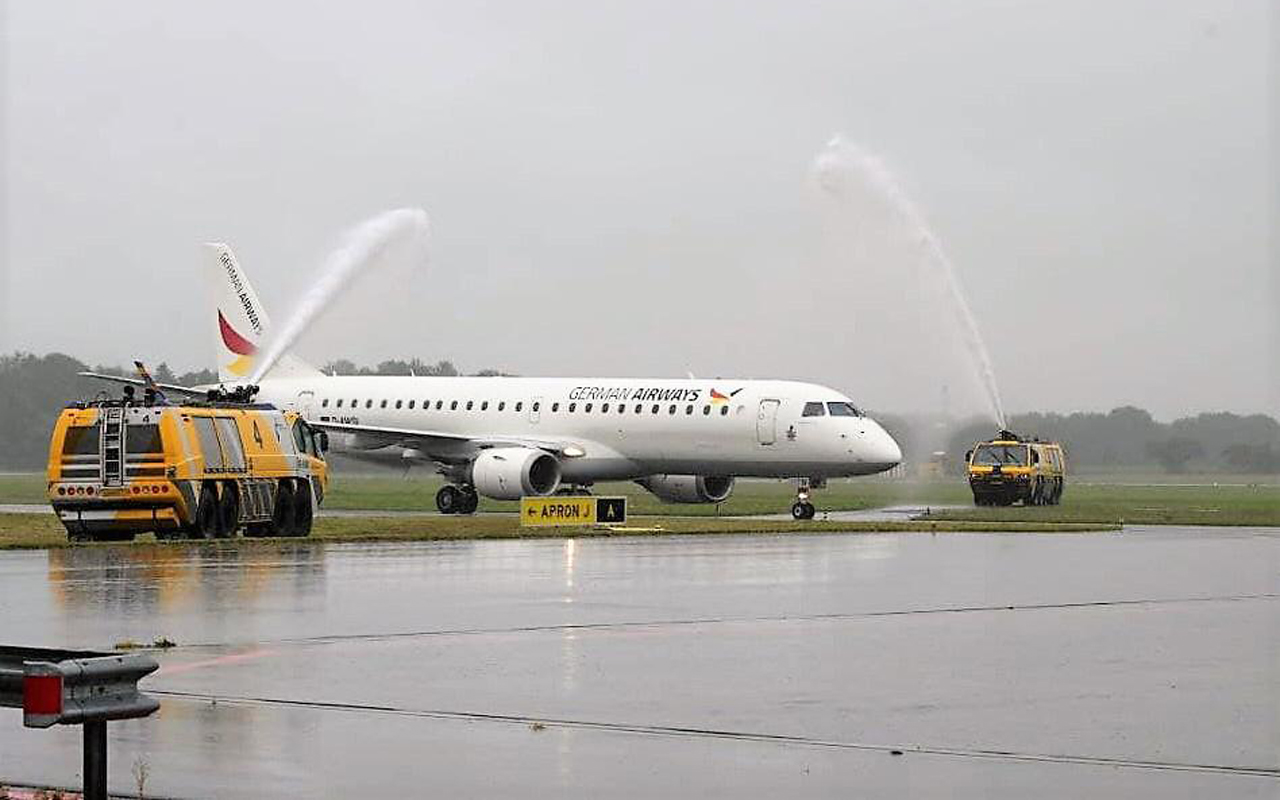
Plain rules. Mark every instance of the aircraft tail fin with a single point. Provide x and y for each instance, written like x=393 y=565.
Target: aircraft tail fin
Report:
x=241 y=323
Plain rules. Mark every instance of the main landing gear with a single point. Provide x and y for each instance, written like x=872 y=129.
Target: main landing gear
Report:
x=802 y=508
x=457 y=499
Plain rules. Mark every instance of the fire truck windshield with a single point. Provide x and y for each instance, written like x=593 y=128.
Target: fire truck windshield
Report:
x=989 y=455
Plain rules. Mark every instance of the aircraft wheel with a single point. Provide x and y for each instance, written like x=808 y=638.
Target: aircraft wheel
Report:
x=470 y=501
x=800 y=510
x=448 y=499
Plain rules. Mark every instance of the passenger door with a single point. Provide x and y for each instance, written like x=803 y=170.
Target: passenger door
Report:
x=307 y=404
x=767 y=422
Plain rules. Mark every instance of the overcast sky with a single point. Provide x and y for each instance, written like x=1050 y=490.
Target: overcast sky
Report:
x=625 y=188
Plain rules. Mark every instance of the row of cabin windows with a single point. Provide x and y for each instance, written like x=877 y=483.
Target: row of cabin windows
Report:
x=470 y=405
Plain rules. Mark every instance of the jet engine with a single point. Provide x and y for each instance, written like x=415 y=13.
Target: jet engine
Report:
x=689 y=488
x=509 y=473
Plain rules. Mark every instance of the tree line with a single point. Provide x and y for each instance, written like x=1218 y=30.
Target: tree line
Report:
x=33 y=390
x=1124 y=437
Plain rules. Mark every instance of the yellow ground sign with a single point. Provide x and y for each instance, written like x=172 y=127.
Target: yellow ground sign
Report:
x=543 y=512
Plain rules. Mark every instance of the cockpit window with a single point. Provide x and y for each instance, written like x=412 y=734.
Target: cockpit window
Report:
x=813 y=410
x=843 y=410
x=989 y=455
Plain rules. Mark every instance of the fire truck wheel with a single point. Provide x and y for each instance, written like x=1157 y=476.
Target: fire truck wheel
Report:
x=302 y=514
x=206 y=523
x=228 y=511
x=284 y=517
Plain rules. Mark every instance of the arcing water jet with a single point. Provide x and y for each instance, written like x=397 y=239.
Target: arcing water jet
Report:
x=398 y=234
x=841 y=168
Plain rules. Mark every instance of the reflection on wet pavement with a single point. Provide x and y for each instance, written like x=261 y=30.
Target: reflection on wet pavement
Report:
x=1000 y=665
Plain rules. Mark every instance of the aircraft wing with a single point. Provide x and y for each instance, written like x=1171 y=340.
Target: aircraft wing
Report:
x=190 y=391
x=435 y=441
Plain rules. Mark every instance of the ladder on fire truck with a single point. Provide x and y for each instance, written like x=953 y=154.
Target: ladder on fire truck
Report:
x=113 y=447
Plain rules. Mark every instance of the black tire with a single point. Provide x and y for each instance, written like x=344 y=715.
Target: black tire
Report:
x=205 y=525
x=283 y=514
x=801 y=510
x=470 y=502
x=302 y=513
x=228 y=511
x=448 y=499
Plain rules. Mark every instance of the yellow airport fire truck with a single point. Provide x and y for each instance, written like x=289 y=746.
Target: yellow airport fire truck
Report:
x=1008 y=469
x=200 y=469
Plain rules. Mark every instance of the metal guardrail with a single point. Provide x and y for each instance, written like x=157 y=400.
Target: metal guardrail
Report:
x=77 y=687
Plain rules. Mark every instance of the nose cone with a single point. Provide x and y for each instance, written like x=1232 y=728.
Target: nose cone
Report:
x=881 y=451
x=887 y=448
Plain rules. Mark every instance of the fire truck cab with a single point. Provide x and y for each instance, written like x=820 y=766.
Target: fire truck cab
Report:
x=196 y=470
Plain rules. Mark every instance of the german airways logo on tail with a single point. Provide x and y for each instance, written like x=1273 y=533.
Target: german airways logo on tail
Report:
x=242 y=321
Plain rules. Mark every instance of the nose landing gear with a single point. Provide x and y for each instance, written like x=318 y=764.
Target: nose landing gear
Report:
x=802 y=508
x=457 y=499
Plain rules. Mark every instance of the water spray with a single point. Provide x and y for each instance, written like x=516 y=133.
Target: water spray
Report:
x=840 y=169
x=398 y=234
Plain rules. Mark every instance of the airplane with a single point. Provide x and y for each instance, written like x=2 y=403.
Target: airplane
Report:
x=684 y=440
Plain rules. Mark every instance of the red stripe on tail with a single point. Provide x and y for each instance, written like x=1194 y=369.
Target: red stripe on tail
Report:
x=234 y=341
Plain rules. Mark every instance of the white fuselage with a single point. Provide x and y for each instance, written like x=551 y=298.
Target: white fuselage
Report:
x=618 y=428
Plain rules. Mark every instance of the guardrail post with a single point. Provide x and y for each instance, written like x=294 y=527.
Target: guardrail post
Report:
x=95 y=760
x=77 y=687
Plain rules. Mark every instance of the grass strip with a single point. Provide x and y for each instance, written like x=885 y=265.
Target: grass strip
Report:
x=28 y=531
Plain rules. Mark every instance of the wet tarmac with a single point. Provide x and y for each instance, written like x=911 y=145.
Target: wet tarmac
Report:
x=1138 y=664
